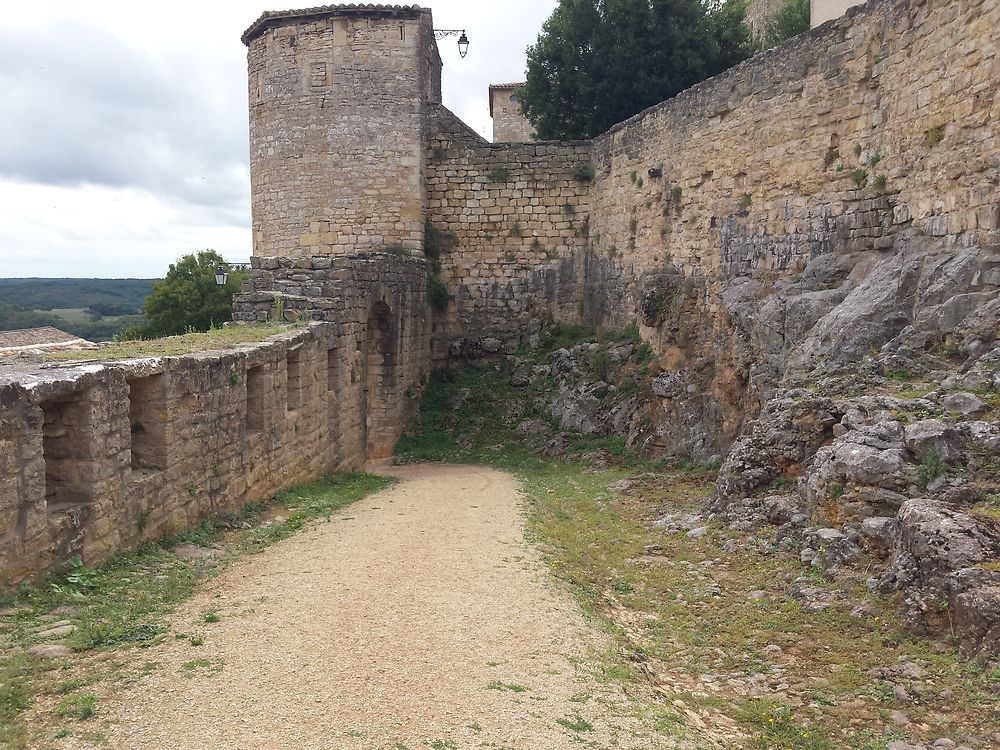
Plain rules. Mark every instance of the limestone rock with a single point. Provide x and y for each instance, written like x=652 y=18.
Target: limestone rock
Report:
x=49 y=651
x=933 y=437
x=966 y=404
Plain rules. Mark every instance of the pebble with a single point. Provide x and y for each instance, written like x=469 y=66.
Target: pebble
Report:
x=193 y=552
x=900 y=694
x=698 y=533
x=772 y=649
x=943 y=742
x=756 y=595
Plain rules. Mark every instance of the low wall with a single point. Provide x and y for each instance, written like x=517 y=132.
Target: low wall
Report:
x=99 y=457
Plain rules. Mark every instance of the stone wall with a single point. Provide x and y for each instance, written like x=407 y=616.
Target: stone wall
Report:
x=338 y=100
x=508 y=224
x=379 y=302
x=740 y=214
x=98 y=457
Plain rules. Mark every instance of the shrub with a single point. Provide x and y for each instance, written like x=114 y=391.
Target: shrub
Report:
x=860 y=177
x=499 y=174
x=934 y=136
x=584 y=172
x=438 y=295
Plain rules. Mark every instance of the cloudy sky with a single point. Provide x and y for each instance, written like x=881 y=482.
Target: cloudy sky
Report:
x=123 y=131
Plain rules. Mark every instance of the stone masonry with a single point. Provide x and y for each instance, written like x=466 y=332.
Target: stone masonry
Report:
x=337 y=106
x=96 y=457
x=509 y=123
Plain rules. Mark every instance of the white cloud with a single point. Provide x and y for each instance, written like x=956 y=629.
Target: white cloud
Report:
x=123 y=141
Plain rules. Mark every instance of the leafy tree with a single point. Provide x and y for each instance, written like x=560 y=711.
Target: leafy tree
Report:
x=791 y=20
x=598 y=62
x=189 y=299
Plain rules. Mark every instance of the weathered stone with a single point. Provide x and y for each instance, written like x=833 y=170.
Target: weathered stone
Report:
x=932 y=437
x=966 y=404
x=49 y=651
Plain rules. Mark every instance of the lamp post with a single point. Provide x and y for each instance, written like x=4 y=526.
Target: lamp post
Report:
x=463 y=40
x=221 y=276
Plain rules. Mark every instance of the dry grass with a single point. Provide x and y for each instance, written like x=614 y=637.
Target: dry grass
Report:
x=216 y=339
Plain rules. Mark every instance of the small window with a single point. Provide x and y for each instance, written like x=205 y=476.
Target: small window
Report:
x=147 y=412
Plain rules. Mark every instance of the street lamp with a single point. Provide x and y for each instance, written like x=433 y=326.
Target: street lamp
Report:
x=463 y=40
x=221 y=276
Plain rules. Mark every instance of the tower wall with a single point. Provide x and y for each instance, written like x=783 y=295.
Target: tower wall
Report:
x=337 y=110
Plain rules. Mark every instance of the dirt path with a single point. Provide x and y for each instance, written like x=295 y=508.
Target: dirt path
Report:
x=417 y=618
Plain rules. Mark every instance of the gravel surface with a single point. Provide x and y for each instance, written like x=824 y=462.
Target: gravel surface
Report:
x=384 y=628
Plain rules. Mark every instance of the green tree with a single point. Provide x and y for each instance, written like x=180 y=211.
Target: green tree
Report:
x=598 y=62
x=791 y=20
x=188 y=297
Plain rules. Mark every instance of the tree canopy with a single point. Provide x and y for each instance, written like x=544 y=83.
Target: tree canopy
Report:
x=598 y=62
x=792 y=19
x=189 y=299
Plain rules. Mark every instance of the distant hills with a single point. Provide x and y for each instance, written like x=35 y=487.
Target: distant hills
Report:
x=94 y=309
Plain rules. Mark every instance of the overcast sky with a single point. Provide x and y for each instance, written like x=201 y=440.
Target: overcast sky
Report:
x=123 y=125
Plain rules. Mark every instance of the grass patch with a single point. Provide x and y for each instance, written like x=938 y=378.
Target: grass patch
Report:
x=576 y=724
x=79 y=707
x=215 y=339
x=510 y=687
x=202 y=667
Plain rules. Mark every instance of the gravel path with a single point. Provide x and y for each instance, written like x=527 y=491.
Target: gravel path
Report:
x=416 y=618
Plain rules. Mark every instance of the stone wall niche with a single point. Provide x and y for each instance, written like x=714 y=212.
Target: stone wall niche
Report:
x=68 y=448
x=295 y=382
x=255 y=398
x=380 y=383
x=147 y=416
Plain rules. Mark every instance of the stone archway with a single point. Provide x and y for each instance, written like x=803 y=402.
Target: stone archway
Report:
x=380 y=384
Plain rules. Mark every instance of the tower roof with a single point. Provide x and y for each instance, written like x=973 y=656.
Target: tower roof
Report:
x=274 y=18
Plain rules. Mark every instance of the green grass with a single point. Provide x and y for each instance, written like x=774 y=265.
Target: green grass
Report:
x=202 y=667
x=79 y=707
x=124 y=602
x=576 y=724
x=216 y=339
x=510 y=687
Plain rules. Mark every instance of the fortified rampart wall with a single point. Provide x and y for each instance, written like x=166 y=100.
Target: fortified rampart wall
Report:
x=98 y=457
x=737 y=216
x=508 y=223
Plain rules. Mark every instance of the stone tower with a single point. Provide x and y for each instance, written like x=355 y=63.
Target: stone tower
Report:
x=338 y=103
x=509 y=123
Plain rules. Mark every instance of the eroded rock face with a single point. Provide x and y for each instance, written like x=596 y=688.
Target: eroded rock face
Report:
x=787 y=433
